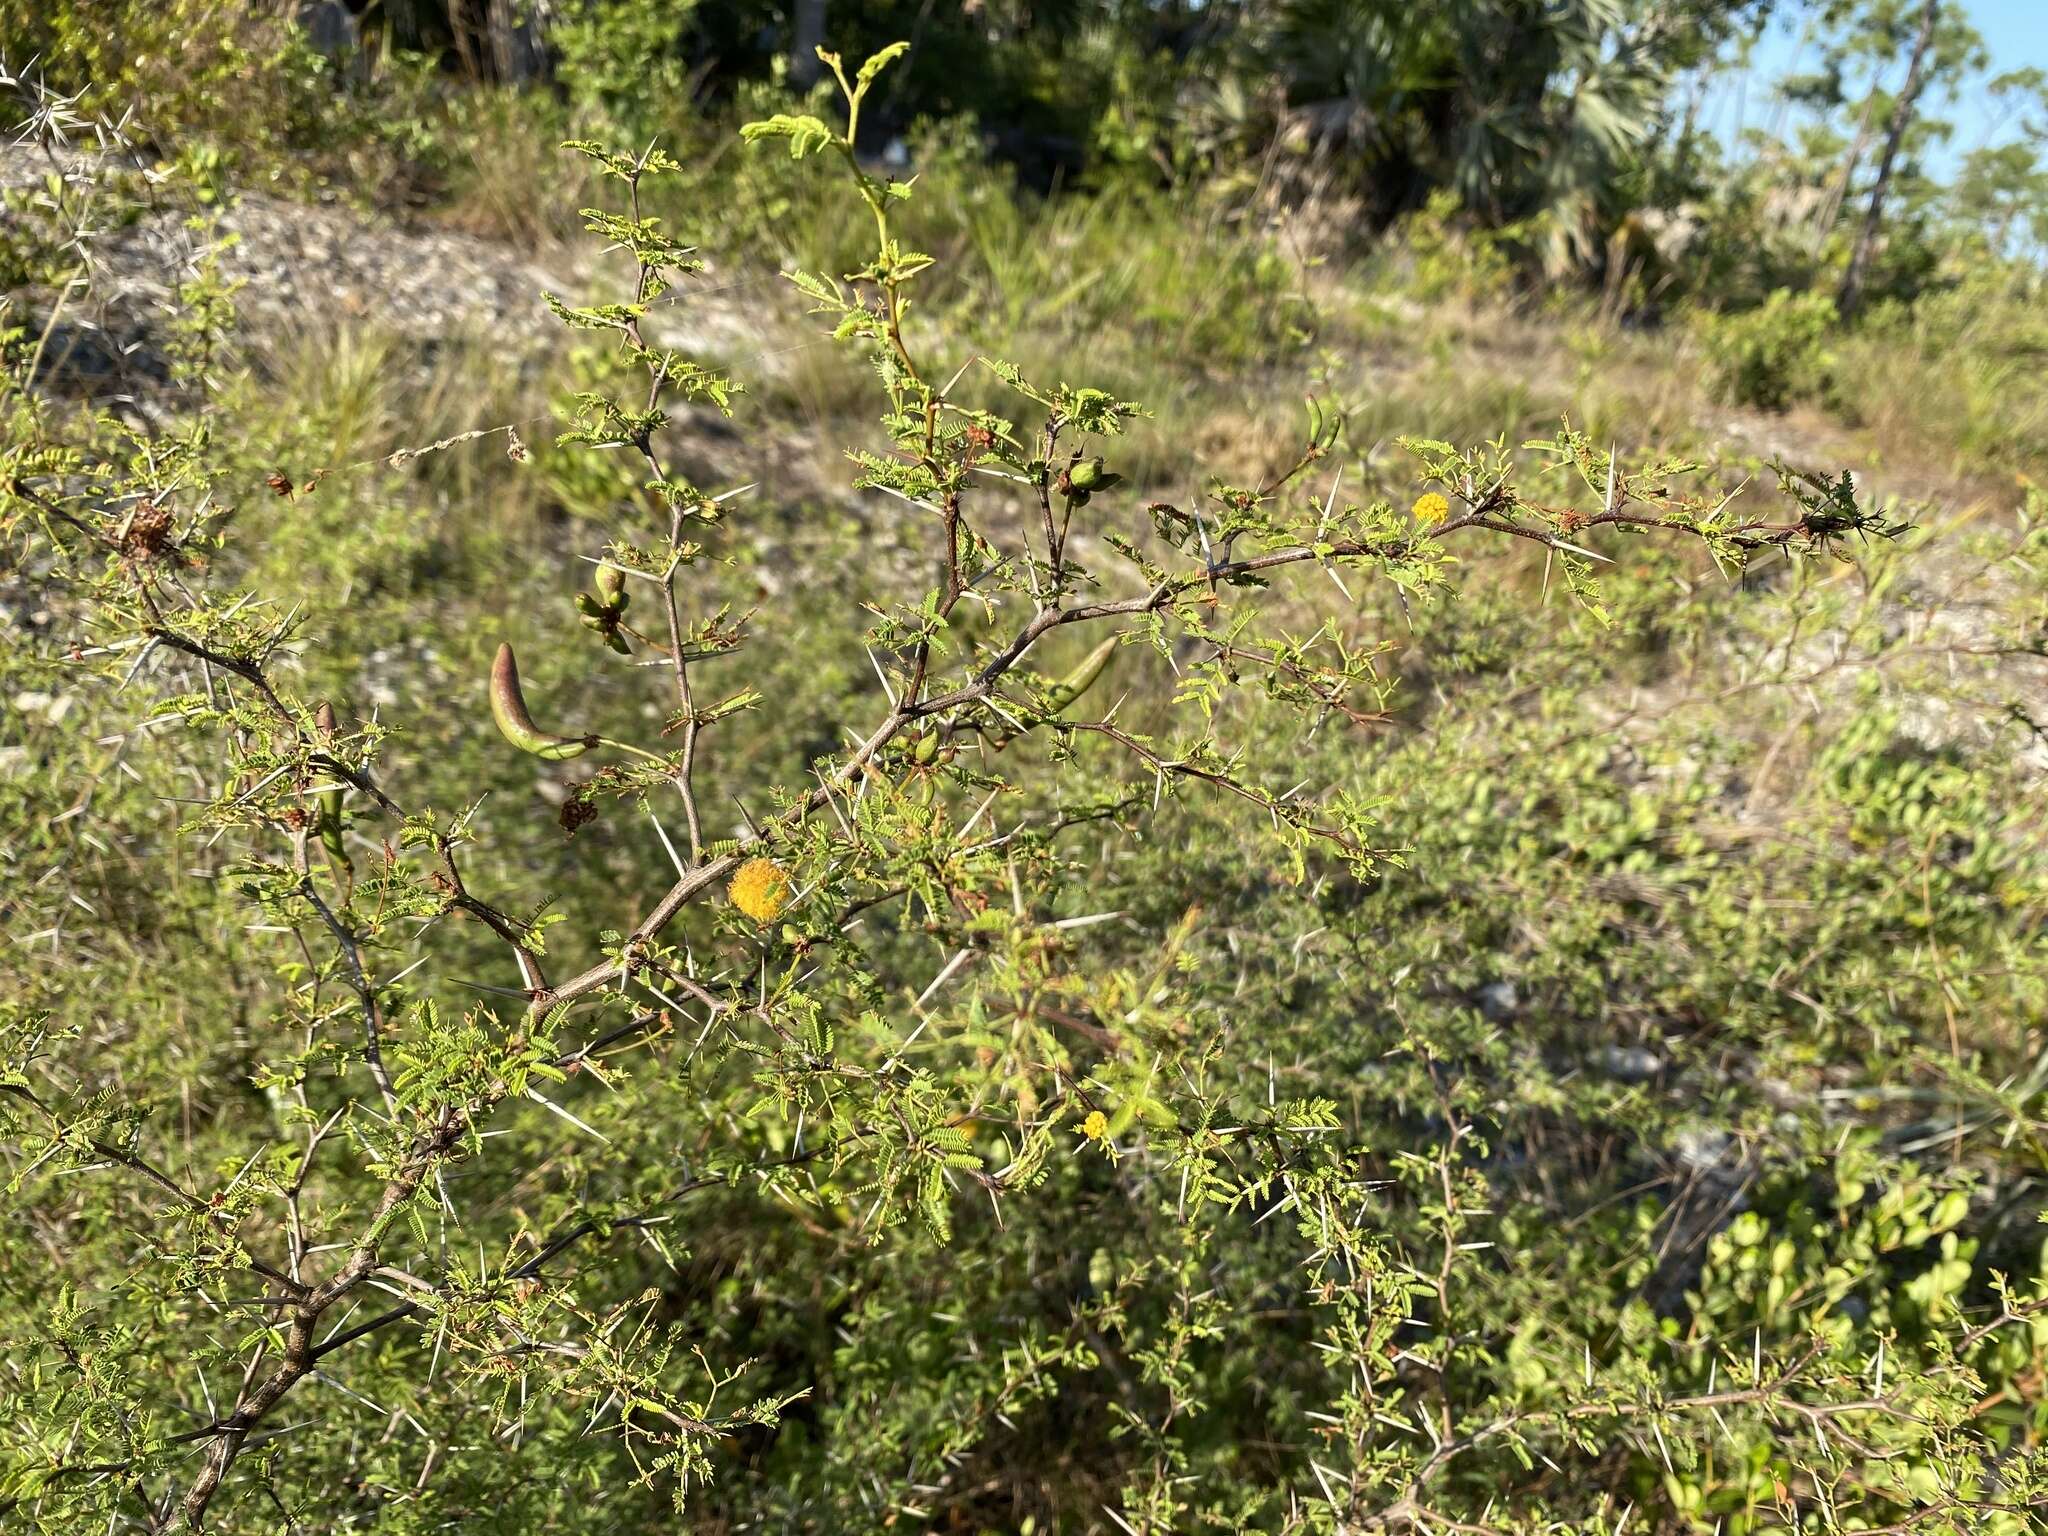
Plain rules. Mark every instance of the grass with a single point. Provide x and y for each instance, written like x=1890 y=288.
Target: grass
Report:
x=1958 y=379
x=1172 y=303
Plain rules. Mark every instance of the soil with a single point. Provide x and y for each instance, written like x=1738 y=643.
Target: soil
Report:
x=299 y=268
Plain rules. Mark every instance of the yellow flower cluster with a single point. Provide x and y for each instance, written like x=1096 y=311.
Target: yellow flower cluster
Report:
x=1431 y=509
x=760 y=889
x=1096 y=1126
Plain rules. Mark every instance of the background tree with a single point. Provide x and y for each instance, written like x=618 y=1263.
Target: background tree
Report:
x=1903 y=105
x=2001 y=190
x=1881 y=66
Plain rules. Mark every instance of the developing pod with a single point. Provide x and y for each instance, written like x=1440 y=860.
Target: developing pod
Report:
x=1082 y=678
x=327 y=812
x=508 y=708
x=603 y=612
x=327 y=802
x=1069 y=688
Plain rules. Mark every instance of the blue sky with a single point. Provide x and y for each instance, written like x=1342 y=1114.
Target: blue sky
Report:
x=2015 y=31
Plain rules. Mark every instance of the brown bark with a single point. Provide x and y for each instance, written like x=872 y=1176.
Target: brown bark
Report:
x=259 y=1397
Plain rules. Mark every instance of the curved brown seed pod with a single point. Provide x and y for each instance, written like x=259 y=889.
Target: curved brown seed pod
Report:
x=508 y=708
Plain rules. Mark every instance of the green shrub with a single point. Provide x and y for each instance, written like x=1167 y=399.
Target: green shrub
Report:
x=1281 y=1003
x=231 y=75
x=1958 y=375
x=1773 y=355
x=1453 y=256
x=623 y=57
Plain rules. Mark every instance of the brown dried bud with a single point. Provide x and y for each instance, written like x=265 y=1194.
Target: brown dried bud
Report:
x=147 y=533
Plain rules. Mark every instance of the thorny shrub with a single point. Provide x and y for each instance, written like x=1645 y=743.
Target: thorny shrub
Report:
x=1028 y=1102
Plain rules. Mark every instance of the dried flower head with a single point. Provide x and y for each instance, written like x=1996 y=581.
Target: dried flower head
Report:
x=147 y=532
x=760 y=889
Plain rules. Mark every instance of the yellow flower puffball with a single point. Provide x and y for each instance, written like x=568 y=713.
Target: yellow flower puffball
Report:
x=760 y=889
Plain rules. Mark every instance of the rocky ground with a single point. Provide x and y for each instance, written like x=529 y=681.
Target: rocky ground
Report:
x=295 y=268
x=308 y=268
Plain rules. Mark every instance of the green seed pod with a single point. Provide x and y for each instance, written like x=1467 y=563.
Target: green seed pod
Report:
x=326 y=802
x=337 y=850
x=1063 y=693
x=1085 y=478
x=925 y=750
x=508 y=708
x=1082 y=678
x=611 y=586
x=327 y=813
